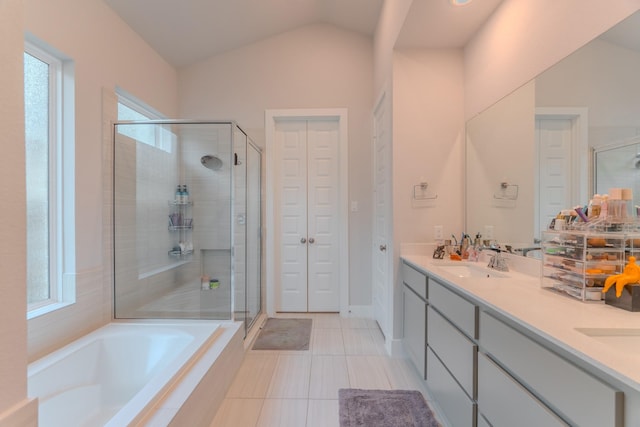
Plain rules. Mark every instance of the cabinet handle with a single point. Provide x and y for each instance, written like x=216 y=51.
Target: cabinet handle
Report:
x=303 y=240
x=312 y=240
x=383 y=248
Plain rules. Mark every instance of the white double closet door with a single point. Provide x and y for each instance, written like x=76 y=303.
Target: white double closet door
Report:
x=307 y=217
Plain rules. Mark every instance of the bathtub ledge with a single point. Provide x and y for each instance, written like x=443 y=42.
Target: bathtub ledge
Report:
x=23 y=414
x=197 y=395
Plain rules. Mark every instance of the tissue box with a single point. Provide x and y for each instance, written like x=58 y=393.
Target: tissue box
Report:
x=629 y=300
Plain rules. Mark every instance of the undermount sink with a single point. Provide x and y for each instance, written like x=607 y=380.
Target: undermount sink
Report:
x=622 y=339
x=473 y=271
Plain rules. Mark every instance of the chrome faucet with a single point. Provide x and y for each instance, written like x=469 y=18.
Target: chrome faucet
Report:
x=498 y=262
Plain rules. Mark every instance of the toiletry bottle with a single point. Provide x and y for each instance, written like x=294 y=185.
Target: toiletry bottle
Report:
x=627 y=202
x=178 y=195
x=464 y=246
x=595 y=206
x=614 y=204
x=185 y=194
x=604 y=209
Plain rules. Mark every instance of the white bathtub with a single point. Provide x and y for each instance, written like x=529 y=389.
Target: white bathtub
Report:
x=113 y=375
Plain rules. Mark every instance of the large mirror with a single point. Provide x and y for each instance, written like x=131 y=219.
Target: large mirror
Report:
x=530 y=155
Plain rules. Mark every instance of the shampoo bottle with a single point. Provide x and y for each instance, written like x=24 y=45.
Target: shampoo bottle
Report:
x=185 y=194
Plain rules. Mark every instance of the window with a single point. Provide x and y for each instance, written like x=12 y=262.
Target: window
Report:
x=49 y=164
x=131 y=109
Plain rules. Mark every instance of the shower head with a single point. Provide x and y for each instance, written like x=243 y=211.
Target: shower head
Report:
x=211 y=162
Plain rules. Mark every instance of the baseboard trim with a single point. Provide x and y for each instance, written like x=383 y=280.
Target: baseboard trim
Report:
x=365 y=311
x=396 y=348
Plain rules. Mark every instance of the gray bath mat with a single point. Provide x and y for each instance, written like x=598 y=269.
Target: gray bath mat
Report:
x=284 y=334
x=384 y=408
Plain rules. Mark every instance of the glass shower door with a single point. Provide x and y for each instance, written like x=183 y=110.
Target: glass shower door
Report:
x=254 y=231
x=186 y=221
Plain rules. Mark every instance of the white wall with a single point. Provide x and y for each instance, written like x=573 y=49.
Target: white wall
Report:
x=390 y=23
x=428 y=144
x=317 y=66
x=13 y=324
x=107 y=53
x=523 y=38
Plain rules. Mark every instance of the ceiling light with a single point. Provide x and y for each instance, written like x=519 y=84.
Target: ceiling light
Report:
x=460 y=2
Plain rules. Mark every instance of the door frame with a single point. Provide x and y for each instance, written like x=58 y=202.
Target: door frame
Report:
x=271 y=117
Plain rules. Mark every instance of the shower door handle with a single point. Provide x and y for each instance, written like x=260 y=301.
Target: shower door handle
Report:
x=303 y=240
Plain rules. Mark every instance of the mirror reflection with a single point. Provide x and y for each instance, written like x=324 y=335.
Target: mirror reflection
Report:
x=538 y=140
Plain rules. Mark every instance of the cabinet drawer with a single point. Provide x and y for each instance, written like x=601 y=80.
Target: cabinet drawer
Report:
x=581 y=398
x=458 y=310
x=455 y=349
x=504 y=402
x=415 y=280
x=456 y=405
x=415 y=328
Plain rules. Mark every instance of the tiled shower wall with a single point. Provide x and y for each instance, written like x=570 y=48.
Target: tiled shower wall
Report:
x=210 y=191
x=146 y=178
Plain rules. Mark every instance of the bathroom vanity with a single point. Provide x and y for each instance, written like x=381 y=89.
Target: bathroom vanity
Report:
x=497 y=349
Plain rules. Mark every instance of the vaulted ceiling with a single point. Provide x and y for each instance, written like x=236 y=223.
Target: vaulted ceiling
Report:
x=187 y=31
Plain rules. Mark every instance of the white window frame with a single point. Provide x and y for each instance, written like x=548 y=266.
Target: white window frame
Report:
x=163 y=138
x=62 y=284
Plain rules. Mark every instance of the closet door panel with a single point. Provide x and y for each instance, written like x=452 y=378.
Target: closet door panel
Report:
x=292 y=203
x=323 y=221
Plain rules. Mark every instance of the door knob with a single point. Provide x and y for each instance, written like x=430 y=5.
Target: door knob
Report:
x=383 y=248
x=303 y=240
x=311 y=240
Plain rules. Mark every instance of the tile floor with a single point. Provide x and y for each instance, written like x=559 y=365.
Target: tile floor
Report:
x=300 y=388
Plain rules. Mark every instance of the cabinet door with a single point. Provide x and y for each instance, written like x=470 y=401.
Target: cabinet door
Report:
x=482 y=422
x=414 y=325
x=504 y=402
x=459 y=410
x=457 y=352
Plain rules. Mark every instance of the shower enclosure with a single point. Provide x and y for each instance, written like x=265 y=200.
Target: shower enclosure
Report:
x=187 y=235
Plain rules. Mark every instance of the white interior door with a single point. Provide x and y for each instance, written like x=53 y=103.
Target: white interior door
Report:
x=291 y=199
x=382 y=249
x=307 y=199
x=323 y=242
x=561 y=138
x=554 y=145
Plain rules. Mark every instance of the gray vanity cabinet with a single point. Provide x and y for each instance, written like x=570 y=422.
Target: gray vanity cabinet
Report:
x=484 y=368
x=513 y=361
x=414 y=301
x=452 y=353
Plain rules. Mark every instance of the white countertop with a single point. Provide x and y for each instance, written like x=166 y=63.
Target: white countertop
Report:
x=555 y=317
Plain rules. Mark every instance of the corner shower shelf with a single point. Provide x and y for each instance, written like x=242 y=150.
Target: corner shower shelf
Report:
x=180 y=227
x=180 y=254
